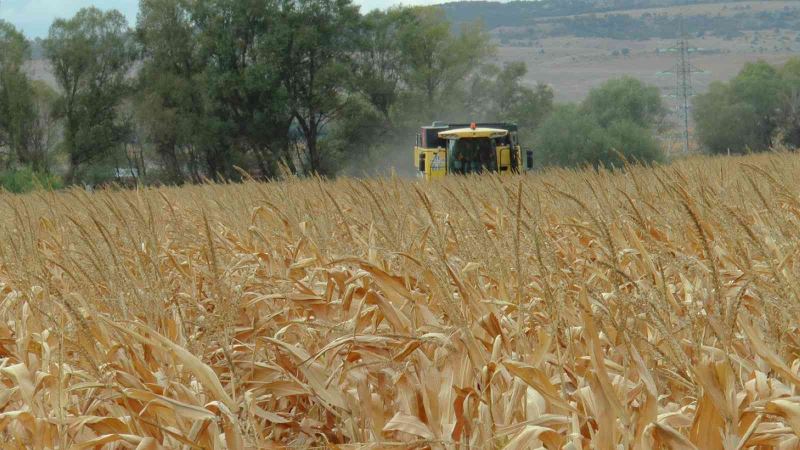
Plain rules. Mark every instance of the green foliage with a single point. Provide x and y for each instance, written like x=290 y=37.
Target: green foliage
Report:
x=311 y=85
x=496 y=94
x=636 y=143
x=14 y=49
x=570 y=138
x=379 y=63
x=758 y=106
x=614 y=124
x=17 y=108
x=725 y=124
x=170 y=105
x=626 y=99
x=436 y=62
x=316 y=44
x=27 y=180
x=413 y=67
x=91 y=55
x=43 y=134
x=351 y=143
x=790 y=117
x=515 y=102
x=247 y=106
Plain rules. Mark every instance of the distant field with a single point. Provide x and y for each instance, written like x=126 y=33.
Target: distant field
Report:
x=651 y=308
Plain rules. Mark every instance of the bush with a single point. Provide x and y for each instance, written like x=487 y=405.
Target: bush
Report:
x=26 y=180
x=613 y=125
x=746 y=113
x=636 y=143
x=571 y=138
x=625 y=98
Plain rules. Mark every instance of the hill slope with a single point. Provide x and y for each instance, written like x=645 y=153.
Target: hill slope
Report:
x=625 y=19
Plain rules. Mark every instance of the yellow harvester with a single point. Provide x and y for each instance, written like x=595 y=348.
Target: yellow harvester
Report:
x=469 y=148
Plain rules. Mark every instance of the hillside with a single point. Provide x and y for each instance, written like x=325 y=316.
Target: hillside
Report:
x=577 y=45
x=626 y=19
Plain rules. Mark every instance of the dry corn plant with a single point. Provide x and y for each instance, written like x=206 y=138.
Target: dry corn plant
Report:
x=650 y=308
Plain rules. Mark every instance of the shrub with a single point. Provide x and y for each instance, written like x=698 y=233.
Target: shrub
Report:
x=625 y=98
x=26 y=180
x=571 y=138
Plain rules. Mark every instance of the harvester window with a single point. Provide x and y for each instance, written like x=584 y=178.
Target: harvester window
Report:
x=472 y=155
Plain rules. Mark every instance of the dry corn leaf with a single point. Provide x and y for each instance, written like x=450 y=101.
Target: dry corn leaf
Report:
x=536 y=379
x=788 y=410
x=408 y=424
x=203 y=372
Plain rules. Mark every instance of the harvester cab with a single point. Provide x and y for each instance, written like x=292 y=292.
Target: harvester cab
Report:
x=469 y=148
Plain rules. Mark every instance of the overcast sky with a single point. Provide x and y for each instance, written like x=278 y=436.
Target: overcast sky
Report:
x=34 y=17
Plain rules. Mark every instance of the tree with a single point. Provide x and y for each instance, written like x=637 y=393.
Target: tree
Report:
x=379 y=58
x=170 y=102
x=436 y=62
x=635 y=143
x=44 y=129
x=626 y=99
x=17 y=108
x=760 y=86
x=790 y=115
x=574 y=137
x=316 y=44
x=723 y=123
x=248 y=109
x=519 y=103
x=744 y=114
x=571 y=138
x=91 y=55
x=352 y=141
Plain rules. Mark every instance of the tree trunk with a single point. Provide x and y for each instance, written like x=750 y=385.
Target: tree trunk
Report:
x=169 y=158
x=314 y=158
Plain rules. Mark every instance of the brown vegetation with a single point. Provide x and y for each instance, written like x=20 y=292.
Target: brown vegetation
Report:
x=652 y=308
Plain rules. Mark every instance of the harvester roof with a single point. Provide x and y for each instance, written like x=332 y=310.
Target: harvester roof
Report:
x=466 y=133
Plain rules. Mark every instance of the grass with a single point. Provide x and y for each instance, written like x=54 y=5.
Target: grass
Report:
x=651 y=308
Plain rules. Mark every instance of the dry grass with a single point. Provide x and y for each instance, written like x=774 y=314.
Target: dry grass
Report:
x=656 y=308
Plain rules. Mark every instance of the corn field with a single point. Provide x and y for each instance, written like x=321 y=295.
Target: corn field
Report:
x=650 y=308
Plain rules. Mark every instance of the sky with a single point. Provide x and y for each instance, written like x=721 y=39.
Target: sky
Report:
x=33 y=17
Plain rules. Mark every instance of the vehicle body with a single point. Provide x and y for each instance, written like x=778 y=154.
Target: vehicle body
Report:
x=444 y=149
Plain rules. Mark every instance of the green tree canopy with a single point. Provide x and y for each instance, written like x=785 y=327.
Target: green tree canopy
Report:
x=379 y=58
x=91 y=55
x=570 y=138
x=248 y=111
x=724 y=123
x=316 y=44
x=17 y=108
x=790 y=112
x=515 y=102
x=615 y=124
x=436 y=63
x=748 y=112
x=626 y=98
x=14 y=48
x=170 y=104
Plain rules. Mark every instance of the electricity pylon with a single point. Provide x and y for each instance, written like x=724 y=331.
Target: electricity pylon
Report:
x=684 y=91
